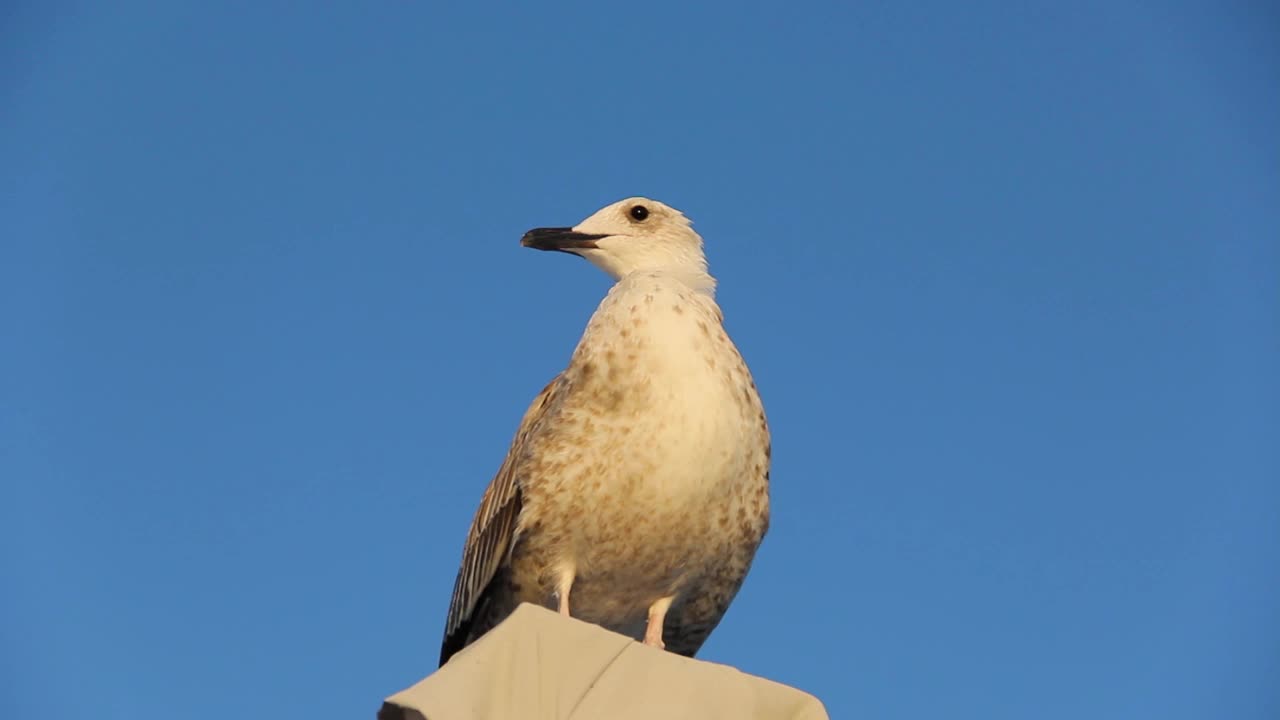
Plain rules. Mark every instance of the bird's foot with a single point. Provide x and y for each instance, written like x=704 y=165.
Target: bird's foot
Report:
x=654 y=639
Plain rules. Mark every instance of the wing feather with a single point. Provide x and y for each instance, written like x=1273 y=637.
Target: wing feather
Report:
x=492 y=532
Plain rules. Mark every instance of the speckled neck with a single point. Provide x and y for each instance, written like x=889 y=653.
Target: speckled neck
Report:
x=697 y=280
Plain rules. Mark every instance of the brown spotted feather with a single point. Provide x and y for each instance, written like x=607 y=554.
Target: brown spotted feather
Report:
x=491 y=537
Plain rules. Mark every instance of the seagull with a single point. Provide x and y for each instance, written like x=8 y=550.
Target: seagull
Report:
x=636 y=490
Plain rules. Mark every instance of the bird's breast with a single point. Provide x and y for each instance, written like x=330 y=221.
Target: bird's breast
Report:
x=663 y=441
x=670 y=388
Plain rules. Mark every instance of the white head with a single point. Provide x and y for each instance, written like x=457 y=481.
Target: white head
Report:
x=632 y=235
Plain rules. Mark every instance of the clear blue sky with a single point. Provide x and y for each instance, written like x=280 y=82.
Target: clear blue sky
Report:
x=1008 y=276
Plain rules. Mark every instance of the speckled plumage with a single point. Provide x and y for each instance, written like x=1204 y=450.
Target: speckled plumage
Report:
x=635 y=492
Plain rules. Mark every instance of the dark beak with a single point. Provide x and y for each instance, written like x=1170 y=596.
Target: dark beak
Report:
x=562 y=239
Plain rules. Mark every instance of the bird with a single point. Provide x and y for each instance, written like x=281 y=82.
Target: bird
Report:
x=635 y=492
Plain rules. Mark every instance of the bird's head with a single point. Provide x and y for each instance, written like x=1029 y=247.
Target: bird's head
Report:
x=632 y=235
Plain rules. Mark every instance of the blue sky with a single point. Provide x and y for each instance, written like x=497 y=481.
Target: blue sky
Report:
x=1008 y=279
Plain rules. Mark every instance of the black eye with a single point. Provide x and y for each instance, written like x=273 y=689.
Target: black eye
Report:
x=639 y=213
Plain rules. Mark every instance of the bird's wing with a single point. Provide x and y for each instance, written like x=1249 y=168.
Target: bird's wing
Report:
x=492 y=532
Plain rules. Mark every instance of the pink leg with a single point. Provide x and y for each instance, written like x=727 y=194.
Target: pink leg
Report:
x=563 y=584
x=657 y=612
